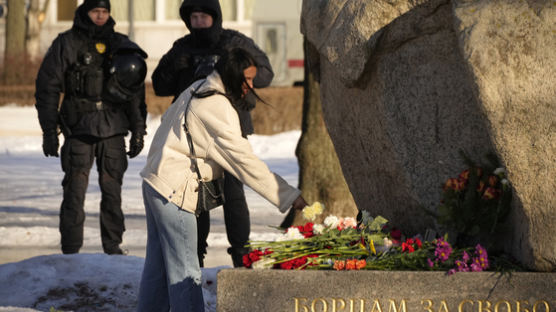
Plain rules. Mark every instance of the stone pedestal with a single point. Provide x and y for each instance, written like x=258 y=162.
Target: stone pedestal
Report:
x=241 y=290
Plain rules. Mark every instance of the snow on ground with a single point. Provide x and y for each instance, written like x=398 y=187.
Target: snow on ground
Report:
x=30 y=195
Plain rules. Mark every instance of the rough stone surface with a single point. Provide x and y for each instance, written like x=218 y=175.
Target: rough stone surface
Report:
x=303 y=291
x=346 y=32
x=510 y=48
x=407 y=85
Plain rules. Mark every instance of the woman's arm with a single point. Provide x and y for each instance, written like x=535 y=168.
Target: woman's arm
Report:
x=224 y=144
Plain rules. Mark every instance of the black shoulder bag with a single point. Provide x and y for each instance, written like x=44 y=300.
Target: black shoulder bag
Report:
x=211 y=193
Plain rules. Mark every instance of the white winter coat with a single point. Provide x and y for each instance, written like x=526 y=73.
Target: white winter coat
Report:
x=214 y=127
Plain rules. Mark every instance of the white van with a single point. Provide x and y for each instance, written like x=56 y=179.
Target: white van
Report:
x=276 y=31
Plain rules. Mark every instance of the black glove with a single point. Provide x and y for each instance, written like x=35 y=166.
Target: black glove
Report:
x=135 y=145
x=50 y=144
x=204 y=65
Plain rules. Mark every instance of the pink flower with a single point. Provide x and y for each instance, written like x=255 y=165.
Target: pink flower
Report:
x=482 y=255
x=340 y=225
x=478 y=263
x=476 y=266
x=350 y=223
x=465 y=257
x=461 y=266
x=345 y=223
x=443 y=250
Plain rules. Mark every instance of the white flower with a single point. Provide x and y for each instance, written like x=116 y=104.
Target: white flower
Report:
x=500 y=171
x=387 y=242
x=504 y=181
x=311 y=212
x=264 y=263
x=318 y=229
x=292 y=234
x=331 y=221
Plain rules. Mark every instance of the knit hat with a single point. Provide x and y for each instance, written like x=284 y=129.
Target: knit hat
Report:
x=88 y=5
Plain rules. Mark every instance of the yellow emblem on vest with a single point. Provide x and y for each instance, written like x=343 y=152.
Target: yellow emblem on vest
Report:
x=101 y=47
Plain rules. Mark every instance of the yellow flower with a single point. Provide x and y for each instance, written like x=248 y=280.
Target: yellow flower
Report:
x=311 y=212
x=372 y=246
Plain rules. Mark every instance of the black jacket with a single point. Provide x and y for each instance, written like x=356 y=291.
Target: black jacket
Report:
x=176 y=70
x=67 y=50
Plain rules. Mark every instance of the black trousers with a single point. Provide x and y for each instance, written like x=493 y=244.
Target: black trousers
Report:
x=236 y=218
x=78 y=155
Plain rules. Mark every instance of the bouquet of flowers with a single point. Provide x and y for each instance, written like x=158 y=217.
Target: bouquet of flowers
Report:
x=344 y=244
x=476 y=202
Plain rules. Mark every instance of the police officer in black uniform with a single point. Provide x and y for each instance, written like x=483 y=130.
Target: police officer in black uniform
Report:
x=101 y=74
x=192 y=57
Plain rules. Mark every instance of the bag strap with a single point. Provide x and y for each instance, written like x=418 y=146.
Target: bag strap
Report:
x=191 y=148
x=186 y=129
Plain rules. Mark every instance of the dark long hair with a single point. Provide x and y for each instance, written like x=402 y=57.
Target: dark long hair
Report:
x=230 y=67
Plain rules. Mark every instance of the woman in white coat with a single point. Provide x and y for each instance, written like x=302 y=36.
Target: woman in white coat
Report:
x=172 y=276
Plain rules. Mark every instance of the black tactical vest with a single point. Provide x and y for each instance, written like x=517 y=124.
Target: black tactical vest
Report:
x=85 y=78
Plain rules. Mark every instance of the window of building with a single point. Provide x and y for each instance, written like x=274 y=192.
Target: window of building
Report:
x=173 y=9
x=143 y=10
x=229 y=10
x=248 y=9
x=237 y=10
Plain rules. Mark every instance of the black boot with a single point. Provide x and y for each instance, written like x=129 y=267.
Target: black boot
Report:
x=67 y=250
x=115 y=251
x=237 y=255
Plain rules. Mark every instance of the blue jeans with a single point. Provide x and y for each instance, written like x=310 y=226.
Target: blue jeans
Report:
x=171 y=276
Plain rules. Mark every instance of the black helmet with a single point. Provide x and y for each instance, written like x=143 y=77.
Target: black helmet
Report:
x=127 y=74
x=129 y=69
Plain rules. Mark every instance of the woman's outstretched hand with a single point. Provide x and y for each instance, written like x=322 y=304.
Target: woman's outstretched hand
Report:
x=299 y=203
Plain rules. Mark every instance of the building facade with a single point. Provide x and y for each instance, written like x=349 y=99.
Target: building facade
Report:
x=156 y=24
